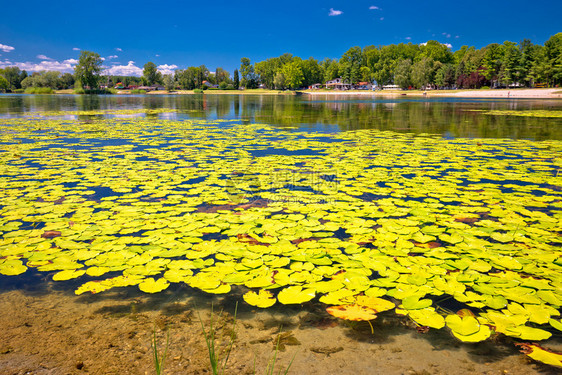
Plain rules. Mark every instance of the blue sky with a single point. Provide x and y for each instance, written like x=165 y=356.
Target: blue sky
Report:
x=37 y=35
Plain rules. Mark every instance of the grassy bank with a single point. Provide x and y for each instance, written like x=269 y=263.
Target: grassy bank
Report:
x=222 y=92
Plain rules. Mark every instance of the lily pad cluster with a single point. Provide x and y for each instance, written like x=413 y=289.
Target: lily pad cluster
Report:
x=364 y=221
x=526 y=113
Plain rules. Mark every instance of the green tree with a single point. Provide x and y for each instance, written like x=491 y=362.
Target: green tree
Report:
x=526 y=62
x=14 y=76
x=247 y=72
x=169 y=82
x=221 y=76
x=66 y=81
x=553 y=53
x=351 y=63
x=279 y=81
x=267 y=69
x=4 y=84
x=293 y=75
x=236 y=82
x=365 y=74
x=150 y=74
x=402 y=74
x=493 y=55
x=510 y=69
x=422 y=72
x=202 y=75
x=312 y=71
x=188 y=78
x=445 y=76
x=88 y=69
x=52 y=79
x=541 y=70
x=42 y=79
x=331 y=69
x=436 y=52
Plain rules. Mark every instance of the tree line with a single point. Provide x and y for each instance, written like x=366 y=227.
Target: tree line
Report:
x=407 y=65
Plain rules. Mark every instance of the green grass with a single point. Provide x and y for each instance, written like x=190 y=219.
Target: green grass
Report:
x=159 y=360
x=271 y=365
x=218 y=365
x=82 y=91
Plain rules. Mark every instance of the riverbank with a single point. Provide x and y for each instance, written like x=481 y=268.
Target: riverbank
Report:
x=552 y=93
x=221 y=92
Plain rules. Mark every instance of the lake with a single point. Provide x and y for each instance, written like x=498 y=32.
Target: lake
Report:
x=331 y=235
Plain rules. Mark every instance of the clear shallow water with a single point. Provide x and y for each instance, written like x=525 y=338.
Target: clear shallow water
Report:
x=119 y=323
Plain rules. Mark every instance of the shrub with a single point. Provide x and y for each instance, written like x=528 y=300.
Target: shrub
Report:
x=137 y=91
x=230 y=86
x=39 y=90
x=198 y=91
x=81 y=91
x=485 y=88
x=223 y=86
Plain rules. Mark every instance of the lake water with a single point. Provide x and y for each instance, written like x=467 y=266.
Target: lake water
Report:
x=127 y=216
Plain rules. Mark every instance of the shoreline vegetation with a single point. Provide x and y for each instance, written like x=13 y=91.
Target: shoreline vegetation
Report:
x=551 y=93
x=428 y=66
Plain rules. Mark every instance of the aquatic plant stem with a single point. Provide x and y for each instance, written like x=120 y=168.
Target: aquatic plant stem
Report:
x=159 y=362
x=211 y=343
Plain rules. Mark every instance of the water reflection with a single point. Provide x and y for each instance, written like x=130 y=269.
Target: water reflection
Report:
x=445 y=116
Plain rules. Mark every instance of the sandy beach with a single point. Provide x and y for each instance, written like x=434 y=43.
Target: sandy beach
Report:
x=553 y=93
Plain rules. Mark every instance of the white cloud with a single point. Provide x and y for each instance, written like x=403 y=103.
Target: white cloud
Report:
x=448 y=45
x=167 y=69
x=76 y=49
x=382 y=18
x=408 y=38
x=71 y=61
x=43 y=57
x=124 y=70
x=157 y=55
x=334 y=12
x=112 y=57
x=118 y=49
x=373 y=7
x=446 y=35
x=457 y=37
x=5 y=48
x=66 y=66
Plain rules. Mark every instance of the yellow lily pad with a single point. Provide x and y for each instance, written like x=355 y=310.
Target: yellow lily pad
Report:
x=261 y=299
x=295 y=295
x=352 y=312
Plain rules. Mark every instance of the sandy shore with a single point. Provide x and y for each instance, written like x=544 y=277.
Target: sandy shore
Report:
x=47 y=330
x=554 y=93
